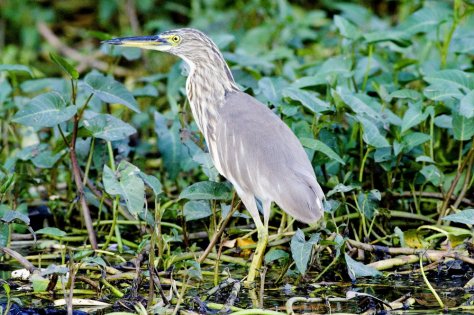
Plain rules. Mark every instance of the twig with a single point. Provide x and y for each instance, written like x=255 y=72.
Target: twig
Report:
x=80 y=188
x=218 y=234
x=411 y=255
x=454 y=183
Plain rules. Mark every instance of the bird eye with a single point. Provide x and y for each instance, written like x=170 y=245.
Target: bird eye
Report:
x=175 y=38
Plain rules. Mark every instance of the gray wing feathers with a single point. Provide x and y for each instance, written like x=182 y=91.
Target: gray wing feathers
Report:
x=259 y=154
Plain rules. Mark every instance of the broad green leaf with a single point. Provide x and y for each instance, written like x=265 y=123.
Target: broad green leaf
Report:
x=94 y=261
x=463 y=127
x=205 y=161
x=357 y=269
x=64 y=65
x=427 y=19
x=269 y=90
x=441 y=92
x=451 y=79
x=308 y=81
x=301 y=249
x=465 y=216
x=36 y=85
x=109 y=90
x=51 y=231
x=466 y=107
x=206 y=190
x=364 y=105
x=307 y=98
x=406 y=93
x=152 y=182
x=346 y=28
x=107 y=127
x=10 y=216
x=16 y=68
x=334 y=67
x=413 y=116
x=397 y=37
x=278 y=255
x=176 y=156
x=414 y=139
x=321 y=147
x=45 y=110
x=444 y=121
x=432 y=174
x=368 y=202
x=340 y=188
x=46 y=159
x=372 y=135
x=196 y=209
x=126 y=183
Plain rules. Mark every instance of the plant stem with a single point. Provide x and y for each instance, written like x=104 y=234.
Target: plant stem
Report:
x=428 y=284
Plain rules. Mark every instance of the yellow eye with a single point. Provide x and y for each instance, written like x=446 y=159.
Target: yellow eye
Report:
x=175 y=38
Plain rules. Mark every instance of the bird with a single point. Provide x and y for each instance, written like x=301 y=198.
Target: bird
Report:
x=248 y=143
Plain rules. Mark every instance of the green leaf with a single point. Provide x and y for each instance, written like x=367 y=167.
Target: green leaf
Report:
x=16 y=68
x=366 y=106
x=368 y=202
x=276 y=255
x=109 y=90
x=346 y=28
x=268 y=89
x=51 y=231
x=357 y=269
x=307 y=98
x=340 y=188
x=397 y=37
x=153 y=182
x=107 y=127
x=196 y=209
x=372 y=135
x=452 y=79
x=46 y=159
x=466 y=107
x=301 y=249
x=176 y=156
x=463 y=127
x=64 y=65
x=45 y=110
x=406 y=93
x=10 y=216
x=206 y=190
x=432 y=174
x=413 y=116
x=323 y=148
x=126 y=182
x=426 y=19
x=465 y=216
x=414 y=139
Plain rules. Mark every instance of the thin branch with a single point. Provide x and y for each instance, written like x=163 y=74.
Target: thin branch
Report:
x=76 y=170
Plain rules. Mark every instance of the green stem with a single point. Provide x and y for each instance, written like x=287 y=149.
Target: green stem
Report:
x=428 y=284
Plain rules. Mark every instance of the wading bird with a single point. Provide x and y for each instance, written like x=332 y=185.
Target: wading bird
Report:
x=249 y=144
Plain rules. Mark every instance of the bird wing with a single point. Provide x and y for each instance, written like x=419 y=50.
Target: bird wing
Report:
x=258 y=153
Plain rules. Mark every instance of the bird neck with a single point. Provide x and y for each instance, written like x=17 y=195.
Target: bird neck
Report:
x=207 y=84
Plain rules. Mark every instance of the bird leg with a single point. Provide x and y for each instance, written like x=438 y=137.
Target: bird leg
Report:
x=259 y=251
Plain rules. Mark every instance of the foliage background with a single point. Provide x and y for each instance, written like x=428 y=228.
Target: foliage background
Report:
x=381 y=94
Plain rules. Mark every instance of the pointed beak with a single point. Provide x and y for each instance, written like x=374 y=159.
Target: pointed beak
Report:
x=145 y=42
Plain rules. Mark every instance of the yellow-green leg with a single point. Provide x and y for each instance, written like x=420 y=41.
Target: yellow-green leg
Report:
x=259 y=251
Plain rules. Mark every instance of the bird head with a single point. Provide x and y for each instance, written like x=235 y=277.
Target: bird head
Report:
x=186 y=43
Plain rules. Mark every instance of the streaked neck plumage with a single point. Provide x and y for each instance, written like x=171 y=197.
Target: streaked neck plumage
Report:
x=208 y=82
